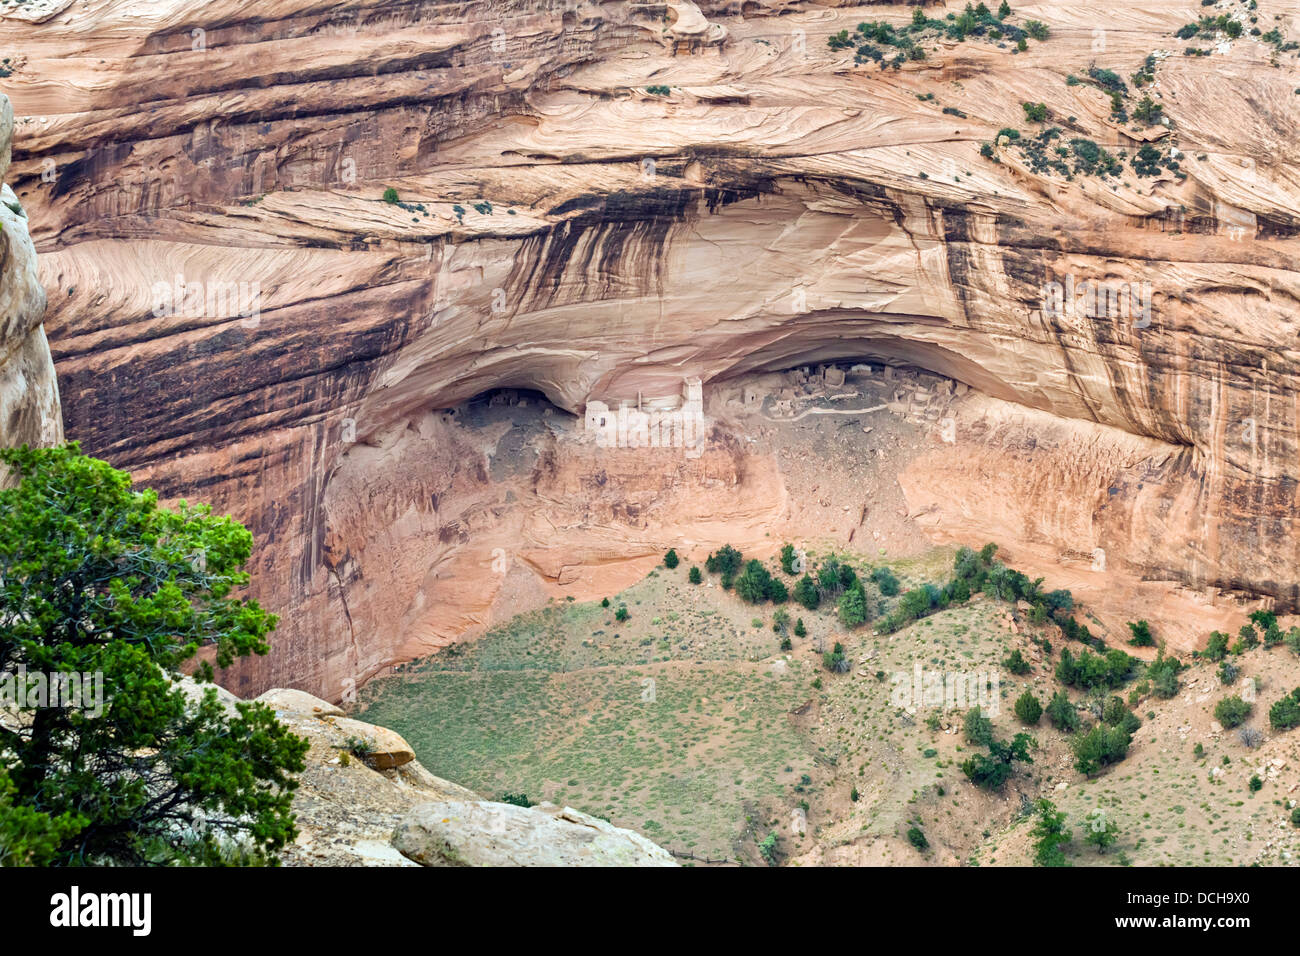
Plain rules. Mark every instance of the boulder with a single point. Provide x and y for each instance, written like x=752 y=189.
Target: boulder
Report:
x=195 y=692
x=299 y=702
x=483 y=833
x=385 y=748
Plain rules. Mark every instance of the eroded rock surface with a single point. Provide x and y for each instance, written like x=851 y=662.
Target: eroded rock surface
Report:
x=563 y=228
x=29 y=395
x=461 y=833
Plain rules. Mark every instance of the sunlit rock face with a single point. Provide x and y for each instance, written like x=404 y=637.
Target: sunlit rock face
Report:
x=29 y=395
x=238 y=316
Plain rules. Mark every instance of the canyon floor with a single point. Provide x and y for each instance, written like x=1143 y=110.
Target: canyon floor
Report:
x=687 y=723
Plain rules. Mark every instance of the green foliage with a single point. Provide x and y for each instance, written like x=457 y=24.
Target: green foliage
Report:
x=1050 y=834
x=1015 y=662
x=96 y=578
x=1217 y=647
x=885 y=580
x=1101 y=831
x=768 y=850
x=977 y=728
x=806 y=593
x=1148 y=111
x=1061 y=713
x=694 y=575
x=671 y=560
x=390 y=196
x=1091 y=671
x=836 y=661
x=1039 y=31
x=788 y=558
x=621 y=614
x=1142 y=636
x=1263 y=619
x=658 y=90
x=1035 y=112
x=31 y=837
x=517 y=799
x=1231 y=711
x=852 y=607
x=1285 y=714
x=1163 y=674
x=1099 y=747
x=1028 y=709
x=917 y=839
x=799 y=629
x=753 y=584
x=727 y=560
x=1248 y=637
x=991 y=771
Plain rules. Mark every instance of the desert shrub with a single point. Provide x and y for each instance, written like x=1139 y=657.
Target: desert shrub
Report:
x=788 y=559
x=1217 y=647
x=621 y=614
x=1028 y=709
x=1050 y=834
x=1231 y=711
x=694 y=575
x=671 y=560
x=852 y=606
x=1285 y=714
x=806 y=593
x=917 y=839
x=754 y=584
x=1099 y=747
x=1015 y=662
x=1061 y=713
x=1035 y=112
x=835 y=660
x=991 y=771
x=977 y=728
x=1163 y=674
x=885 y=580
x=1141 y=634
x=727 y=560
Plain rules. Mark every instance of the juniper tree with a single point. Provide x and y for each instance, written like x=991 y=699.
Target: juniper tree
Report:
x=95 y=577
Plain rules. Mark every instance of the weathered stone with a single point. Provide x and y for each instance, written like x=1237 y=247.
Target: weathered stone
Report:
x=384 y=748
x=483 y=833
x=299 y=702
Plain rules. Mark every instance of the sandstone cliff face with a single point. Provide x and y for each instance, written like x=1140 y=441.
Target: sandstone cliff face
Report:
x=564 y=228
x=29 y=395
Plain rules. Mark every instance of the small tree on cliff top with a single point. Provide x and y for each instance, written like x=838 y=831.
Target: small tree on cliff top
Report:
x=96 y=578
